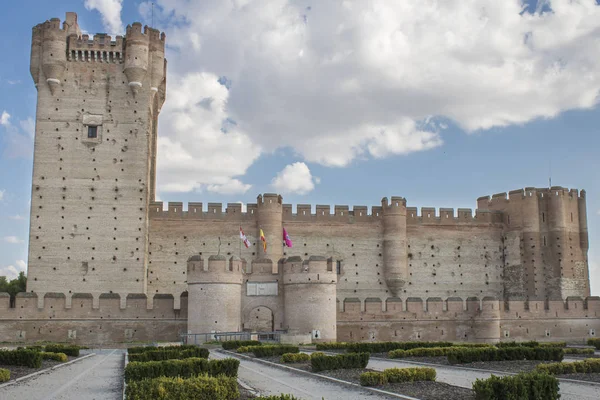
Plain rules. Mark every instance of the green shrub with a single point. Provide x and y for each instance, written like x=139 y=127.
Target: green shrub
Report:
x=197 y=388
x=424 y=352
x=24 y=357
x=504 y=354
x=159 y=355
x=189 y=367
x=317 y=354
x=294 y=357
x=399 y=375
x=72 y=351
x=332 y=346
x=372 y=379
x=525 y=386
x=272 y=350
x=280 y=397
x=574 y=350
x=342 y=361
x=473 y=345
x=235 y=344
x=588 y=366
x=62 y=357
x=531 y=343
x=144 y=349
x=594 y=342
x=244 y=349
x=4 y=375
x=384 y=347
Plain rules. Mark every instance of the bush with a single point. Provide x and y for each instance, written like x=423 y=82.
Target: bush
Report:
x=235 y=344
x=332 y=346
x=160 y=355
x=372 y=379
x=189 y=367
x=531 y=343
x=72 y=351
x=472 y=345
x=504 y=354
x=198 y=388
x=574 y=350
x=244 y=349
x=62 y=357
x=399 y=375
x=424 y=352
x=594 y=342
x=280 y=397
x=525 y=386
x=317 y=354
x=295 y=357
x=24 y=357
x=591 y=365
x=342 y=361
x=144 y=349
x=4 y=375
x=272 y=350
x=384 y=347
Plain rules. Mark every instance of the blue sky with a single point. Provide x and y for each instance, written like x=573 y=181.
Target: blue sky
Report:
x=310 y=101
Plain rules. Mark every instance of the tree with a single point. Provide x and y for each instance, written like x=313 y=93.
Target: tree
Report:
x=17 y=285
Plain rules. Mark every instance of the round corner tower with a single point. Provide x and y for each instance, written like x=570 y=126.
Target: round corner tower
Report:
x=214 y=294
x=394 y=243
x=270 y=217
x=310 y=297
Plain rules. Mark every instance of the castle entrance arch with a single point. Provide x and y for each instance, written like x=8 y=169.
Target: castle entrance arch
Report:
x=260 y=319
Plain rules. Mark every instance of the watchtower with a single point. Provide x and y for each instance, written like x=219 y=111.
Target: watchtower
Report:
x=94 y=157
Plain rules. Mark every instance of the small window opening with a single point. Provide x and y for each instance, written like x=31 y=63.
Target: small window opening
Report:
x=92 y=132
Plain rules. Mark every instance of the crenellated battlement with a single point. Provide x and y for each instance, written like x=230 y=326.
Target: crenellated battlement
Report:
x=101 y=48
x=135 y=32
x=503 y=198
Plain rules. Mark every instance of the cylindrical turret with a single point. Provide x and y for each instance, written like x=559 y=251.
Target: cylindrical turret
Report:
x=214 y=294
x=136 y=56
x=54 y=53
x=270 y=221
x=583 y=228
x=394 y=244
x=157 y=58
x=36 y=53
x=310 y=297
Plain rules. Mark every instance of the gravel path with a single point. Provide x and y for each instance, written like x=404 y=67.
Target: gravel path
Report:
x=95 y=378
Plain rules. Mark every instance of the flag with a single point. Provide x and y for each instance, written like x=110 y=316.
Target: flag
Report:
x=244 y=238
x=286 y=239
x=264 y=240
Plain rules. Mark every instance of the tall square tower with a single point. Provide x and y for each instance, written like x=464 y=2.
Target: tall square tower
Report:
x=94 y=157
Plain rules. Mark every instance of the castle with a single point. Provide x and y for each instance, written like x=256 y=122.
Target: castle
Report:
x=108 y=263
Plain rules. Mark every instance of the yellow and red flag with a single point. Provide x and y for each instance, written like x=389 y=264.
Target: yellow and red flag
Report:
x=264 y=240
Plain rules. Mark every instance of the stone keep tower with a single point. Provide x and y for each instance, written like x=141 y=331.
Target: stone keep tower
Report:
x=94 y=158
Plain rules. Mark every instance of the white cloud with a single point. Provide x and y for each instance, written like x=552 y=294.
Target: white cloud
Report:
x=16 y=217
x=111 y=14
x=2 y=194
x=5 y=118
x=12 y=239
x=12 y=271
x=294 y=178
x=353 y=80
x=11 y=82
x=244 y=206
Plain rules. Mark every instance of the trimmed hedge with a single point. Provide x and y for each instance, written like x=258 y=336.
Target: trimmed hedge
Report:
x=295 y=357
x=424 y=352
x=342 y=361
x=235 y=344
x=317 y=354
x=24 y=357
x=594 y=342
x=160 y=355
x=504 y=354
x=62 y=357
x=272 y=350
x=575 y=350
x=525 y=386
x=280 y=397
x=397 y=375
x=384 y=347
x=4 y=375
x=137 y=371
x=197 y=388
x=144 y=349
x=531 y=343
x=588 y=366
x=333 y=346
x=72 y=351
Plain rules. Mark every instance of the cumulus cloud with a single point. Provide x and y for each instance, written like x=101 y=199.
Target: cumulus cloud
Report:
x=17 y=140
x=353 y=80
x=294 y=178
x=5 y=118
x=12 y=239
x=12 y=271
x=111 y=14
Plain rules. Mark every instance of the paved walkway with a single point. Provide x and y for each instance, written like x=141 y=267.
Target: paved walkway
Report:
x=465 y=377
x=95 y=378
x=269 y=380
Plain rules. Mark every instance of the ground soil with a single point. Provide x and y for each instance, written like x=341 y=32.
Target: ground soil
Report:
x=582 y=377
x=17 y=371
